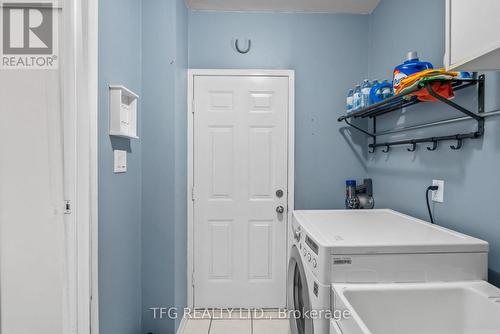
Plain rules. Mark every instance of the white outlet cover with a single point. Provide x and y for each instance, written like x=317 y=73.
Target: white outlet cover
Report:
x=438 y=195
x=120 y=161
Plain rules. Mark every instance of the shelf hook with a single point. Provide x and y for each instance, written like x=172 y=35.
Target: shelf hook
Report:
x=413 y=147
x=434 y=146
x=371 y=149
x=237 y=46
x=459 y=144
x=387 y=148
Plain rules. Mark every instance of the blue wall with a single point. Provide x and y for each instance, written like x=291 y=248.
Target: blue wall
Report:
x=164 y=64
x=471 y=174
x=158 y=51
x=180 y=285
x=119 y=194
x=142 y=213
x=328 y=54
x=142 y=222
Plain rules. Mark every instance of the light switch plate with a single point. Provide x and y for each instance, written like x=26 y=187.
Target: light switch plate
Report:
x=438 y=195
x=120 y=165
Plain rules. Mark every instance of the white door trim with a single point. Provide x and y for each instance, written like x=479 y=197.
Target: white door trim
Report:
x=79 y=75
x=290 y=74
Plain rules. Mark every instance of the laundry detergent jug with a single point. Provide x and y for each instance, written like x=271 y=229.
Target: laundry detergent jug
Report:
x=411 y=66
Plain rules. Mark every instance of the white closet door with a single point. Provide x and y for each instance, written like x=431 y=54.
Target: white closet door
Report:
x=33 y=277
x=240 y=162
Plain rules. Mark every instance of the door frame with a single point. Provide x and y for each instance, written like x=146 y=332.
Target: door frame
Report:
x=192 y=73
x=79 y=78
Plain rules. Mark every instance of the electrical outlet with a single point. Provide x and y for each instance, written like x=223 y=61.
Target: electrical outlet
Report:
x=438 y=195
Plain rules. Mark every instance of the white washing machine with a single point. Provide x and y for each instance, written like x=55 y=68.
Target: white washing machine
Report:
x=369 y=246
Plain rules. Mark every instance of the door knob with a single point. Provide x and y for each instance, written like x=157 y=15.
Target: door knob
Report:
x=280 y=209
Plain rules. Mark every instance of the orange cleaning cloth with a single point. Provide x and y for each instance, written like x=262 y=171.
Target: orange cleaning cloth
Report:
x=440 y=87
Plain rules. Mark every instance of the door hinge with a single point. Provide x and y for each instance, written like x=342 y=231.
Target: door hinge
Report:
x=192 y=278
x=67 y=207
x=192 y=194
x=192 y=106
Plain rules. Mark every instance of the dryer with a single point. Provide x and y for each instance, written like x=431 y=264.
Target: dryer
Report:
x=369 y=246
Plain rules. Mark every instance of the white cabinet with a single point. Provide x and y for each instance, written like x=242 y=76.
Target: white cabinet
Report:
x=472 y=35
x=122 y=112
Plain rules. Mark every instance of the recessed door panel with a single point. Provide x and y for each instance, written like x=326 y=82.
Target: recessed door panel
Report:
x=221 y=250
x=221 y=158
x=261 y=101
x=261 y=162
x=221 y=101
x=260 y=250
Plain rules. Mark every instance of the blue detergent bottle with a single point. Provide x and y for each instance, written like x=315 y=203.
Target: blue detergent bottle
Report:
x=411 y=66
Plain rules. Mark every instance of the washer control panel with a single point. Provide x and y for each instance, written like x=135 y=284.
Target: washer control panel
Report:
x=309 y=251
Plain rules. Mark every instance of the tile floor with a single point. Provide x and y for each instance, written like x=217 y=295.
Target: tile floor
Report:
x=236 y=322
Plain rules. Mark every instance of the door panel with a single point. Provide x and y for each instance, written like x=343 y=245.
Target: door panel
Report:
x=221 y=239
x=221 y=160
x=240 y=160
x=260 y=160
x=260 y=265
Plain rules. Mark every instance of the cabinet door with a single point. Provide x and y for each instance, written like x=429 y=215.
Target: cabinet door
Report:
x=472 y=38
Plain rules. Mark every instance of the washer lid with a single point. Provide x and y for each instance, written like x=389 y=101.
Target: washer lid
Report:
x=382 y=231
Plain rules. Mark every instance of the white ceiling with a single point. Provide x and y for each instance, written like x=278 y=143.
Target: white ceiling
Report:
x=313 y=6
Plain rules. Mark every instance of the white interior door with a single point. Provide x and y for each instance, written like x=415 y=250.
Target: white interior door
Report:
x=240 y=162
x=48 y=139
x=33 y=271
x=32 y=236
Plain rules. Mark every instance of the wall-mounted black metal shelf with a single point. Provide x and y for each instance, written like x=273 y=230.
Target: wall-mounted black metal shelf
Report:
x=400 y=101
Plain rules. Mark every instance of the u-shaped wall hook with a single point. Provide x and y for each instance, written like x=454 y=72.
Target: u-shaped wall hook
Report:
x=413 y=147
x=387 y=148
x=372 y=149
x=459 y=144
x=434 y=146
x=237 y=46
